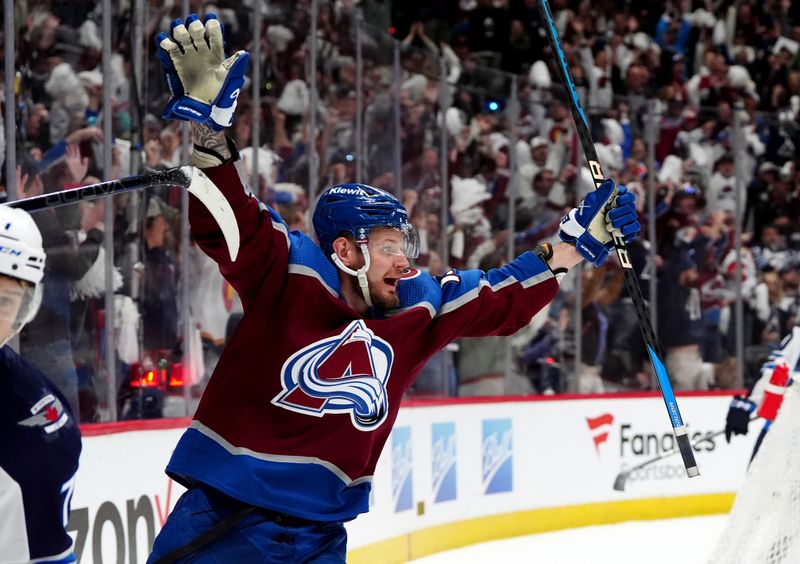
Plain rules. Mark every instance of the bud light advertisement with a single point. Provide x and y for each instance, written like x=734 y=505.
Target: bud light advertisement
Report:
x=401 y=469
x=443 y=461
x=497 y=456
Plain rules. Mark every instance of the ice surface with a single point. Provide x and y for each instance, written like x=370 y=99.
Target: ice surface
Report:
x=667 y=541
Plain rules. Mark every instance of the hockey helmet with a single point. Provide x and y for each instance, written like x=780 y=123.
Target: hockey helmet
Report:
x=22 y=257
x=355 y=209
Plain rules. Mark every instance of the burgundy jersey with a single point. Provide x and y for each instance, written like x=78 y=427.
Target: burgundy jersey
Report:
x=306 y=392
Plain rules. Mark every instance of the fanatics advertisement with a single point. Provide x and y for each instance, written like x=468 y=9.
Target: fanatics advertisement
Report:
x=444 y=463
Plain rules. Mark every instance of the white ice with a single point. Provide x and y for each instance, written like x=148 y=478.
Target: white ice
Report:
x=688 y=541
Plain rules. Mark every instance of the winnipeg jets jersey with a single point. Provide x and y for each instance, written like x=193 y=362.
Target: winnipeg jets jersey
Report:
x=788 y=352
x=40 y=444
x=305 y=394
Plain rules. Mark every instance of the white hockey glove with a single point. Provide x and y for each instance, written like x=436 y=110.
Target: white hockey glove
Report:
x=590 y=227
x=204 y=84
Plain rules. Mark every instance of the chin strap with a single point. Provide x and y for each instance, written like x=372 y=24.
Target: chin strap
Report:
x=361 y=273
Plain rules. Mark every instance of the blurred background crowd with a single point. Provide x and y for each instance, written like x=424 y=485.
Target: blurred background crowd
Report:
x=455 y=106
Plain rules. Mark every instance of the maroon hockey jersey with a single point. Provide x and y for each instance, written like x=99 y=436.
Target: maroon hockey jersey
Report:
x=305 y=394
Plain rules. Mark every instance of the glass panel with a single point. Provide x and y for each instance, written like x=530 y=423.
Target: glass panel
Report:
x=460 y=111
x=379 y=109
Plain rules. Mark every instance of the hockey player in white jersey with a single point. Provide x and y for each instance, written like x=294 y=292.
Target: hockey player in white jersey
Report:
x=41 y=442
x=743 y=408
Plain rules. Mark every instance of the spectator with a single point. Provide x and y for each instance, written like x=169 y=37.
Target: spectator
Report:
x=159 y=294
x=170 y=147
x=87 y=297
x=489 y=32
x=46 y=341
x=681 y=328
x=481 y=362
x=537 y=153
x=600 y=287
x=722 y=187
x=697 y=65
x=596 y=64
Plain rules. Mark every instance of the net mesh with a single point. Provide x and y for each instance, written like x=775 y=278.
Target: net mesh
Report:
x=764 y=524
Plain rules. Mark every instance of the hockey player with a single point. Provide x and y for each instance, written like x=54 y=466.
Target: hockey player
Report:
x=284 y=443
x=41 y=442
x=743 y=408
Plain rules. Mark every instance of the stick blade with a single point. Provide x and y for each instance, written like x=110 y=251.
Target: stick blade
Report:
x=208 y=193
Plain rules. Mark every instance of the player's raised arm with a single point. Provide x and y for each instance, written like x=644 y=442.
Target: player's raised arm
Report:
x=205 y=86
x=503 y=300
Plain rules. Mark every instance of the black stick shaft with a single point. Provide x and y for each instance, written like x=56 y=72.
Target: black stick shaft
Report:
x=631 y=282
x=169 y=177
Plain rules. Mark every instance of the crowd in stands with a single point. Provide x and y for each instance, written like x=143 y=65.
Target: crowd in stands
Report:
x=712 y=90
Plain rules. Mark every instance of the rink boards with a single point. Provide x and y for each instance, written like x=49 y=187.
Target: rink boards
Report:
x=452 y=473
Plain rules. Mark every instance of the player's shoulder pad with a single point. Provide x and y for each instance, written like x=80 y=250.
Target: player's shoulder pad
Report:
x=417 y=288
x=307 y=259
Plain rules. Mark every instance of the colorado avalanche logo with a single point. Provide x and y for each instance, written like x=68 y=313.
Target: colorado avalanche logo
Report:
x=342 y=374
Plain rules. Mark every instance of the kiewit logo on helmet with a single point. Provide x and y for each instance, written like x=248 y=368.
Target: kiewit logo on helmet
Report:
x=345 y=190
x=346 y=373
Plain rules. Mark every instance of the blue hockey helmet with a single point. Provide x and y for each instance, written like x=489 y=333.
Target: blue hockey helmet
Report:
x=355 y=209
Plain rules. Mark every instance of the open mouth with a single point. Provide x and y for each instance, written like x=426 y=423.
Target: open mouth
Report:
x=391 y=281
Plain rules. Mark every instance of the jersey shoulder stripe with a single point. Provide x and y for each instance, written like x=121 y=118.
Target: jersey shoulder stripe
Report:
x=526 y=270
x=307 y=259
x=277 y=221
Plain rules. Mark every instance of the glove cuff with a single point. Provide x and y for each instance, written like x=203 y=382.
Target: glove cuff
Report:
x=189 y=109
x=744 y=404
x=570 y=229
x=591 y=249
x=220 y=118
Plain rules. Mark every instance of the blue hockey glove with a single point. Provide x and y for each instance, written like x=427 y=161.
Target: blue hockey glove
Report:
x=738 y=416
x=590 y=227
x=204 y=84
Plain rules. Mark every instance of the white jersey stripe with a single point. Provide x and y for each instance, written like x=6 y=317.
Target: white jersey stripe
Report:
x=13 y=534
x=398 y=311
x=238 y=451
x=472 y=294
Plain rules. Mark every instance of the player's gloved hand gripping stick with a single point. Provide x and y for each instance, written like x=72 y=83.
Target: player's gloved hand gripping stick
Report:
x=631 y=282
x=204 y=84
x=590 y=226
x=739 y=414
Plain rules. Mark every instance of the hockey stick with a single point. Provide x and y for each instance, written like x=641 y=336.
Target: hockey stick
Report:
x=584 y=134
x=622 y=477
x=191 y=178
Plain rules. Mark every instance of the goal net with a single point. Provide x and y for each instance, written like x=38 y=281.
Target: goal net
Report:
x=764 y=523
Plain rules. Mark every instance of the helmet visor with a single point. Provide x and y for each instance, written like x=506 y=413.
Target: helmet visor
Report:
x=395 y=240
x=19 y=303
